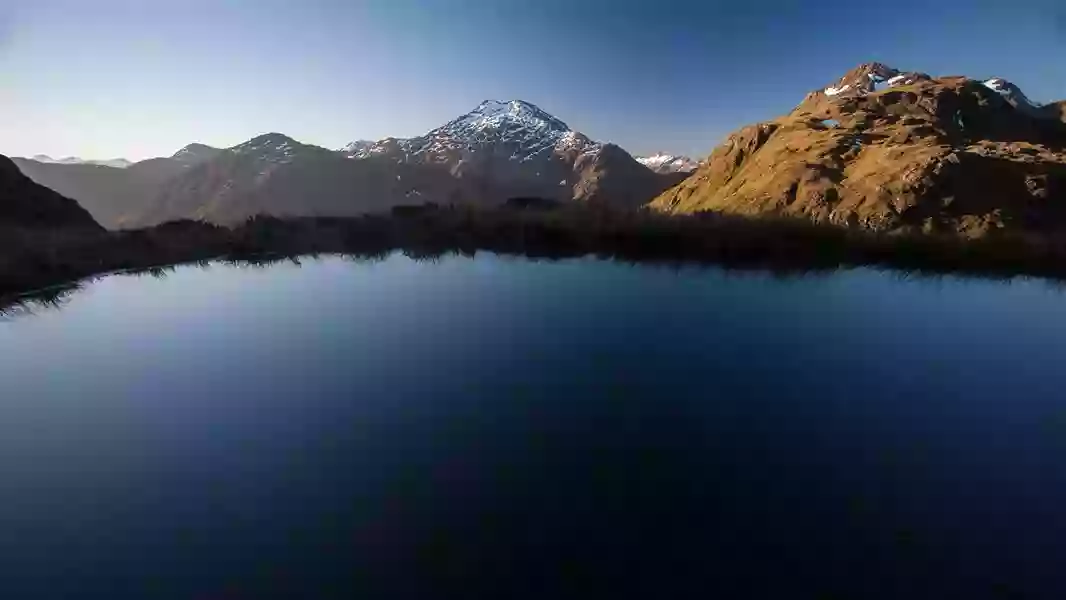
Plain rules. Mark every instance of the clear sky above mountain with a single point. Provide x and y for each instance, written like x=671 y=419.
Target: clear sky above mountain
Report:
x=141 y=78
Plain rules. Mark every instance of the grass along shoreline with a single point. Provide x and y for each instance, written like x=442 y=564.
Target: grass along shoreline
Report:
x=36 y=260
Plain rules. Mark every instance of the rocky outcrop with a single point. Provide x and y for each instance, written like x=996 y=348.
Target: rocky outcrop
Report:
x=887 y=150
x=27 y=205
x=866 y=79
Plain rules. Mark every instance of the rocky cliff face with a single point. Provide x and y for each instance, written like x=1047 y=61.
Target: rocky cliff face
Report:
x=27 y=205
x=887 y=150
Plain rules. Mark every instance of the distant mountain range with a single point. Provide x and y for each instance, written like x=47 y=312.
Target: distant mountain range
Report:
x=886 y=149
x=497 y=151
x=118 y=163
x=878 y=148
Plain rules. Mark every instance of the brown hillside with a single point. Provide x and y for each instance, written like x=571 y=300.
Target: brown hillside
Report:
x=945 y=154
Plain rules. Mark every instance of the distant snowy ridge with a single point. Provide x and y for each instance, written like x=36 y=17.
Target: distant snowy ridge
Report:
x=668 y=163
x=117 y=163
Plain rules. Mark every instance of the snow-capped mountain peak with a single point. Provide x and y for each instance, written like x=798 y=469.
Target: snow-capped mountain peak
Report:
x=515 y=125
x=668 y=163
x=871 y=77
x=496 y=114
x=514 y=129
x=1010 y=92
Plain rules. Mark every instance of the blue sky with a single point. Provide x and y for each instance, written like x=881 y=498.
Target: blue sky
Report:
x=141 y=78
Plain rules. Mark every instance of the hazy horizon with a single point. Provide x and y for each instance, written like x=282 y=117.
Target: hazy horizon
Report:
x=121 y=78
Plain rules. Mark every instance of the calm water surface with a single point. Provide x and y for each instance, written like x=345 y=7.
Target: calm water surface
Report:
x=497 y=427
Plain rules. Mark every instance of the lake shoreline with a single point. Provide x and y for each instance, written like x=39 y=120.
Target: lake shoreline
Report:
x=39 y=260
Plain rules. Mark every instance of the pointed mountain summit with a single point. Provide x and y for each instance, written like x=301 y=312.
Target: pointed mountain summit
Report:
x=495 y=117
x=518 y=129
x=503 y=149
x=517 y=123
x=868 y=78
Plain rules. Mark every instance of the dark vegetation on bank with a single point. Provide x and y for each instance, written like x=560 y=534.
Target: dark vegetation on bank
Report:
x=35 y=259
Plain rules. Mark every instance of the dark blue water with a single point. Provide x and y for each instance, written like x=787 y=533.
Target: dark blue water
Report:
x=502 y=428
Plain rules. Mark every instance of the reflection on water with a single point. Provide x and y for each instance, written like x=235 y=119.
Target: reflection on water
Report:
x=492 y=427
x=42 y=300
x=56 y=297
